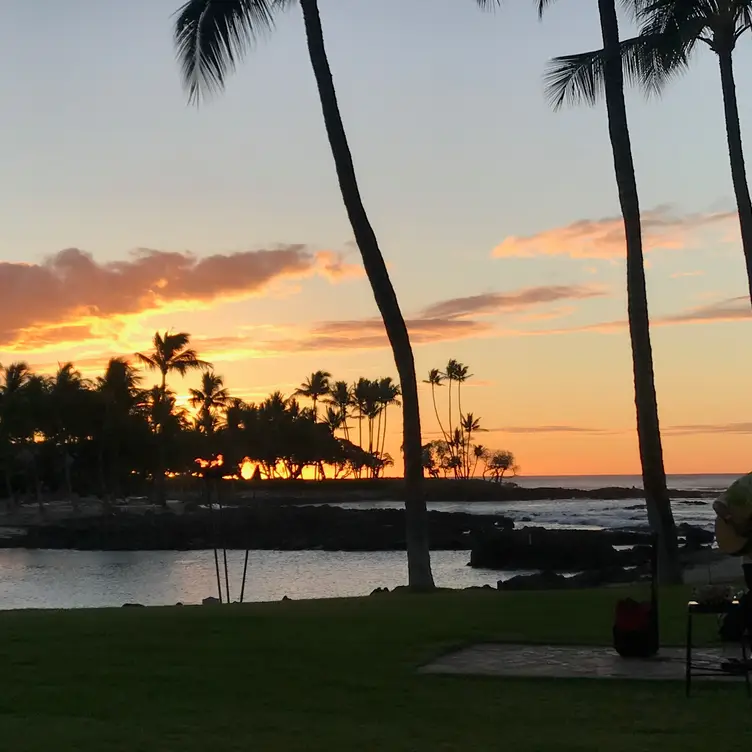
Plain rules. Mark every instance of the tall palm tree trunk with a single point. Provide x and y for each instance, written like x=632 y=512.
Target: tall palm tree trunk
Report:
x=648 y=429
x=343 y=410
x=736 y=156
x=451 y=429
x=436 y=411
x=416 y=514
x=383 y=432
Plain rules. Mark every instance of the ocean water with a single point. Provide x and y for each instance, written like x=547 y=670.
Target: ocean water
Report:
x=592 y=513
x=700 y=482
x=87 y=579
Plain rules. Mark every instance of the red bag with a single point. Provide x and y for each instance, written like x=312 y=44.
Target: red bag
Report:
x=635 y=631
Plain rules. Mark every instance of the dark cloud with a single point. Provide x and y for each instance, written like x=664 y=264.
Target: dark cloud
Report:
x=494 y=302
x=732 y=309
x=547 y=429
x=706 y=428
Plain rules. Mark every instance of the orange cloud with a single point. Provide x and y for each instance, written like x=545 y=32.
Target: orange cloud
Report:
x=604 y=238
x=333 y=266
x=445 y=321
x=61 y=299
x=356 y=334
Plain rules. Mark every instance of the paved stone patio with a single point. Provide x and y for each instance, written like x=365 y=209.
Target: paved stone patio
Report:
x=569 y=662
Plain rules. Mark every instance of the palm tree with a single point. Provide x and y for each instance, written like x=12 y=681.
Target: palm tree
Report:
x=360 y=396
x=646 y=403
x=333 y=419
x=118 y=391
x=470 y=425
x=210 y=398
x=436 y=379
x=480 y=452
x=449 y=373
x=388 y=394
x=670 y=32
x=340 y=397
x=13 y=417
x=460 y=374
x=172 y=354
x=210 y=37
x=65 y=391
x=314 y=388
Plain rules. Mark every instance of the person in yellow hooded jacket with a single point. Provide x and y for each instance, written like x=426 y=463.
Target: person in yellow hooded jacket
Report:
x=734 y=508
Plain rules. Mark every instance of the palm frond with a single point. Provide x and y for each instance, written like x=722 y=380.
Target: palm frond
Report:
x=174 y=342
x=489 y=4
x=188 y=360
x=211 y=36
x=147 y=361
x=648 y=61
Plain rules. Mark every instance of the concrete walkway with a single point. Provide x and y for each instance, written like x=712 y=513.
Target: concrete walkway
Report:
x=720 y=571
x=569 y=662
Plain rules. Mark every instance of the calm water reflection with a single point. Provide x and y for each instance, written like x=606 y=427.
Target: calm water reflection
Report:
x=79 y=579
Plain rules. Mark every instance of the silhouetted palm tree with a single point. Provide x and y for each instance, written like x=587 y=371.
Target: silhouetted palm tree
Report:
x=341 y=397
x=210 y=37
x=65 y=391
x=333 y=419
x=451 y=370
x=436 y=379
x=119 y=393
x=480 y=452
x=469 y=425
x=460 y=373
x=314 y=388
x=648 y=429
x=14 y=417
x=172 y=354
x=360 y=396
x=670 y=32
x=210 y=398
x=388 y=394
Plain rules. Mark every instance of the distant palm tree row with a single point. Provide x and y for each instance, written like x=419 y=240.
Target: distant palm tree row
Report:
x=69 y=435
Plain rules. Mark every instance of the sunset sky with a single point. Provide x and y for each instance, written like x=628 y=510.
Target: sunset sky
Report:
x=124 y=210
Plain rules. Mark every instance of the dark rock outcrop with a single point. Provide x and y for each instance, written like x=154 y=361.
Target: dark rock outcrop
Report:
x=545 y=580
x=558 y=550
x=261 y=526
x=694 y=537
x=548 y=580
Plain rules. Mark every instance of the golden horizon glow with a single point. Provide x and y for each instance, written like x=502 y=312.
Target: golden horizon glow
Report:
x=551 y=362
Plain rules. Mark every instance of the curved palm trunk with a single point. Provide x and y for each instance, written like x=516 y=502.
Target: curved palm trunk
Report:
x=736 y=156
x=416 y=515
x=648 y=429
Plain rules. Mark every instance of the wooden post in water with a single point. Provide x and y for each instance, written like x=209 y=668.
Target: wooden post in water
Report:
x=245 y=571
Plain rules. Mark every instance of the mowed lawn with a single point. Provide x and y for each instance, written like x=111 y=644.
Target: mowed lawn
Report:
x=339 y=675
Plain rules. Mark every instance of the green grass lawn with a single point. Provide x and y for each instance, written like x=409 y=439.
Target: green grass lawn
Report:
x=338 y=675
